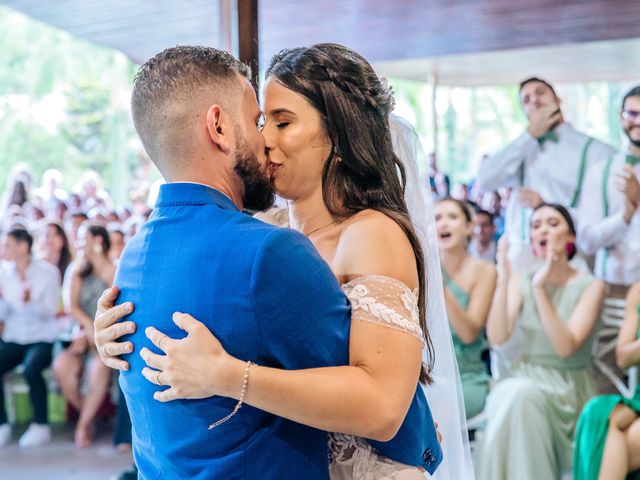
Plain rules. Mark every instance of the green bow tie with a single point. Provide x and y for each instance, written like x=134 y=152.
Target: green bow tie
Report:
x=632 y=160
x=550 y=135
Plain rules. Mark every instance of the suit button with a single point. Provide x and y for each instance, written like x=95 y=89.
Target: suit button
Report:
x=428 y=457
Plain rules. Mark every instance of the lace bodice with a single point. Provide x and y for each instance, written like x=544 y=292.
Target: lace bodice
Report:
x=385 y=301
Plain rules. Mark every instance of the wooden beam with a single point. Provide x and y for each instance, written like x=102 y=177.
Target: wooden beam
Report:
x=248 y=38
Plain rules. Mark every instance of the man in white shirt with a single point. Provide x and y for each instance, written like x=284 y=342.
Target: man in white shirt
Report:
x=547 y=163
x=30 y=293
x=609 y=227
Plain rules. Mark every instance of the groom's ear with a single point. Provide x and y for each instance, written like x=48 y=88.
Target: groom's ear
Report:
x=219 y=128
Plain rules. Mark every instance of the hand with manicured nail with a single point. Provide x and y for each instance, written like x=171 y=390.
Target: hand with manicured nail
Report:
x=196 y=366
x=108 y=329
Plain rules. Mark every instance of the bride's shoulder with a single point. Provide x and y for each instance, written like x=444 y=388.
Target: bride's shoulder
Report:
x=372 y=243
x=375 y=229
x=372 y=222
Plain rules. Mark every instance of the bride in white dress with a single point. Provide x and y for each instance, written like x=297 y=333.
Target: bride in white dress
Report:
x=330 y=148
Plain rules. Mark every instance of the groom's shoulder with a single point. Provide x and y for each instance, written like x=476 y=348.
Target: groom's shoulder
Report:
x=266 y=235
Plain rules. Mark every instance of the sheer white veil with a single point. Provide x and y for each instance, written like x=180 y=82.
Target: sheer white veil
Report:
x=445 y=394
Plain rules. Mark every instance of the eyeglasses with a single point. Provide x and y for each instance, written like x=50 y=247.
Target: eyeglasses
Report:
x=630 y=115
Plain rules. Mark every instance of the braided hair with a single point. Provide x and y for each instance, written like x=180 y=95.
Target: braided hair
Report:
x=362 y=171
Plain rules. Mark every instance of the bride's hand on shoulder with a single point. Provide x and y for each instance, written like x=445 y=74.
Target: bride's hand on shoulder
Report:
x=196 y=366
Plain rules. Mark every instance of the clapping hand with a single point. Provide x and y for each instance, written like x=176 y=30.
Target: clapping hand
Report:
x=552 y=255
x=627 y=183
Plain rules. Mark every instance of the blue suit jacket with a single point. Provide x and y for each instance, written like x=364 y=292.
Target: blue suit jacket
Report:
x=269 y=298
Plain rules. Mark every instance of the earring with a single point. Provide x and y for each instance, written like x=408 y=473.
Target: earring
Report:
x=571 y=249
x=97 y=249
x=336 y=155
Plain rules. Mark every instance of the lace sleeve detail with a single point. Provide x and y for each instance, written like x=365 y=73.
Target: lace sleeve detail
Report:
x=385 y=301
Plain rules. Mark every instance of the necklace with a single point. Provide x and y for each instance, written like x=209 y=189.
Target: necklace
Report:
x=322 y=227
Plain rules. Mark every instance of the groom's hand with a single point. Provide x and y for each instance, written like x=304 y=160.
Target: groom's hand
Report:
x=108 y=329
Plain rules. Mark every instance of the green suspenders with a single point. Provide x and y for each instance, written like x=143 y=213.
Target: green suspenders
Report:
x=605 y=208
x=576 y=194
x=605 y=187
x=583 y=167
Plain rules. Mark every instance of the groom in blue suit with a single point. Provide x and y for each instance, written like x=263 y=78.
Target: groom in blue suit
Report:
x=264 y=291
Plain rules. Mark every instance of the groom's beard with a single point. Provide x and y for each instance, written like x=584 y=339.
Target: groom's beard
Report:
x=259 y=194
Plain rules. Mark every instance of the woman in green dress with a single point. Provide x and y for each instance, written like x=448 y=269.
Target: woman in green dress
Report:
x=533 y=412
x=469 y=286
x=608 y=433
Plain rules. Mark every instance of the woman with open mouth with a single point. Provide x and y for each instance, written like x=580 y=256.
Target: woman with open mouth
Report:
x=469 y=286
x=532 y=414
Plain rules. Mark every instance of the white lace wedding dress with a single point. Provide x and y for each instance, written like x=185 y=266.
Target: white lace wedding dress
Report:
x=388 y=302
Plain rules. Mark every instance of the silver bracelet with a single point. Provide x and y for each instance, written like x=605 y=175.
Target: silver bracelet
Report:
x=245 y=382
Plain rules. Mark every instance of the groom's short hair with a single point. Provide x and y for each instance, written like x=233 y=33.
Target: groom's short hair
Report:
x=170 y=89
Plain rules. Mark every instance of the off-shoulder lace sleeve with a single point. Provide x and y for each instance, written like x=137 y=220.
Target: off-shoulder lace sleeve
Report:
x=385 y=301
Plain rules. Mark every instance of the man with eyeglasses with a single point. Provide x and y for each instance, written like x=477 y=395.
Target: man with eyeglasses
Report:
x=609 y=227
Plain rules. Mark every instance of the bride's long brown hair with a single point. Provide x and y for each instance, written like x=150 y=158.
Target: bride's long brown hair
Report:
x=362 y=171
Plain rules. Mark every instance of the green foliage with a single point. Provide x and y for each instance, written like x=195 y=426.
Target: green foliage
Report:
x=64 y=104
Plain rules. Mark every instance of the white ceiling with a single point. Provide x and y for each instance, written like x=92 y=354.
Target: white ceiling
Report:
x=616 y=60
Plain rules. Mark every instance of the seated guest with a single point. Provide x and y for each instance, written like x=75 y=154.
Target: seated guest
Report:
x=55 y=247
x=91 y=276
x=74 y=221
x=469 y=285
x=461 y=192
x=116 y=237
x=608 y=433
x=51 y=190
x=609 y=227
x=533 y=412
x=483 y=244
x=29 y=293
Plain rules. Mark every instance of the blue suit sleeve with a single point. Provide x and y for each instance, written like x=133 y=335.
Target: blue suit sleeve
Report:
x=302 y=314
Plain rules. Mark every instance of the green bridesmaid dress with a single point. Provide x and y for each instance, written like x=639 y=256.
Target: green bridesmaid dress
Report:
x=532 y=413
x=591 y=432
x=473 y=371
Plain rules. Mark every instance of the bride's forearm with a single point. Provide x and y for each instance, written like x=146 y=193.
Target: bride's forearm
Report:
x=336 y=399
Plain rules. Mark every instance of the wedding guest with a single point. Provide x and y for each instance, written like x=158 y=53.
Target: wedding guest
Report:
x=546 y=163
x=609 y=227
x=93 y=273
x=483 y=243
x=532 y=414
x=469 y=286
x=55 y=247
x=608 y=433
x=29 y=293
